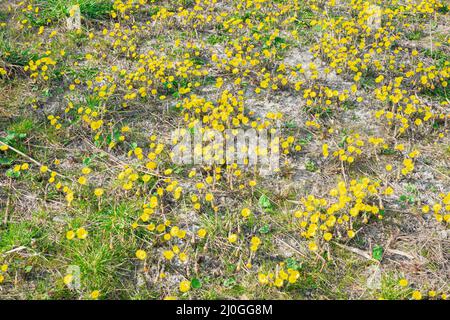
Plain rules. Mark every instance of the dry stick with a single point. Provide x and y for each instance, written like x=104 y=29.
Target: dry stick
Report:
x=14 y=250
x=356 y=251
x=5 y=220
x=400 y=253
x=343 y=172
x=30 y=158
x=434 y=169
x=118 y=161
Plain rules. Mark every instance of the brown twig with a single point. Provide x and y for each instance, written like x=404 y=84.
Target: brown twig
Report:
x=30 y=158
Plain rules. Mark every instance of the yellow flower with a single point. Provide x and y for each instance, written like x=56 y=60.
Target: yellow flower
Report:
x=99 y=192
x=232 y=238
x=403 y=282
x=95 y=294
x=82 y=233
x=183 y=257
x=278 y=282
x=70 y=235
x=379 y=79
x=389 y=191
x=82 y=180
x=400 y=147
x=181 y=234
x=69 y=197
x=246 y=212
x=325 y=150
x=416 y=295
x=4 y=268
x=262 y=278
x=141 y=254
x=86 y=170
x=168 y=254
x=351 y=234
x=68 y=279
x=312 y=246
x=201 y=233
x=185 y=286
x=174 y=231
x=95 y=125
x=255 y=241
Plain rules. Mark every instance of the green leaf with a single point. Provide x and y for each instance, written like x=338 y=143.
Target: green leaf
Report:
x=293 y=264
x=343 y=141
x=12 y=174
x=196 y=283
x=264 y=202
x=291 y=125
x=87 y=161
x=9 y=138
x=264 y=229
x=229 y=282
x=178 y=170
x=377 y=253
x=388 y=151
x=116 y=134
x=6 y=161
x=306 y=140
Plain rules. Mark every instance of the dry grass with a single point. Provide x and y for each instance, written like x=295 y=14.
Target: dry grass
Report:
x=44 y=123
